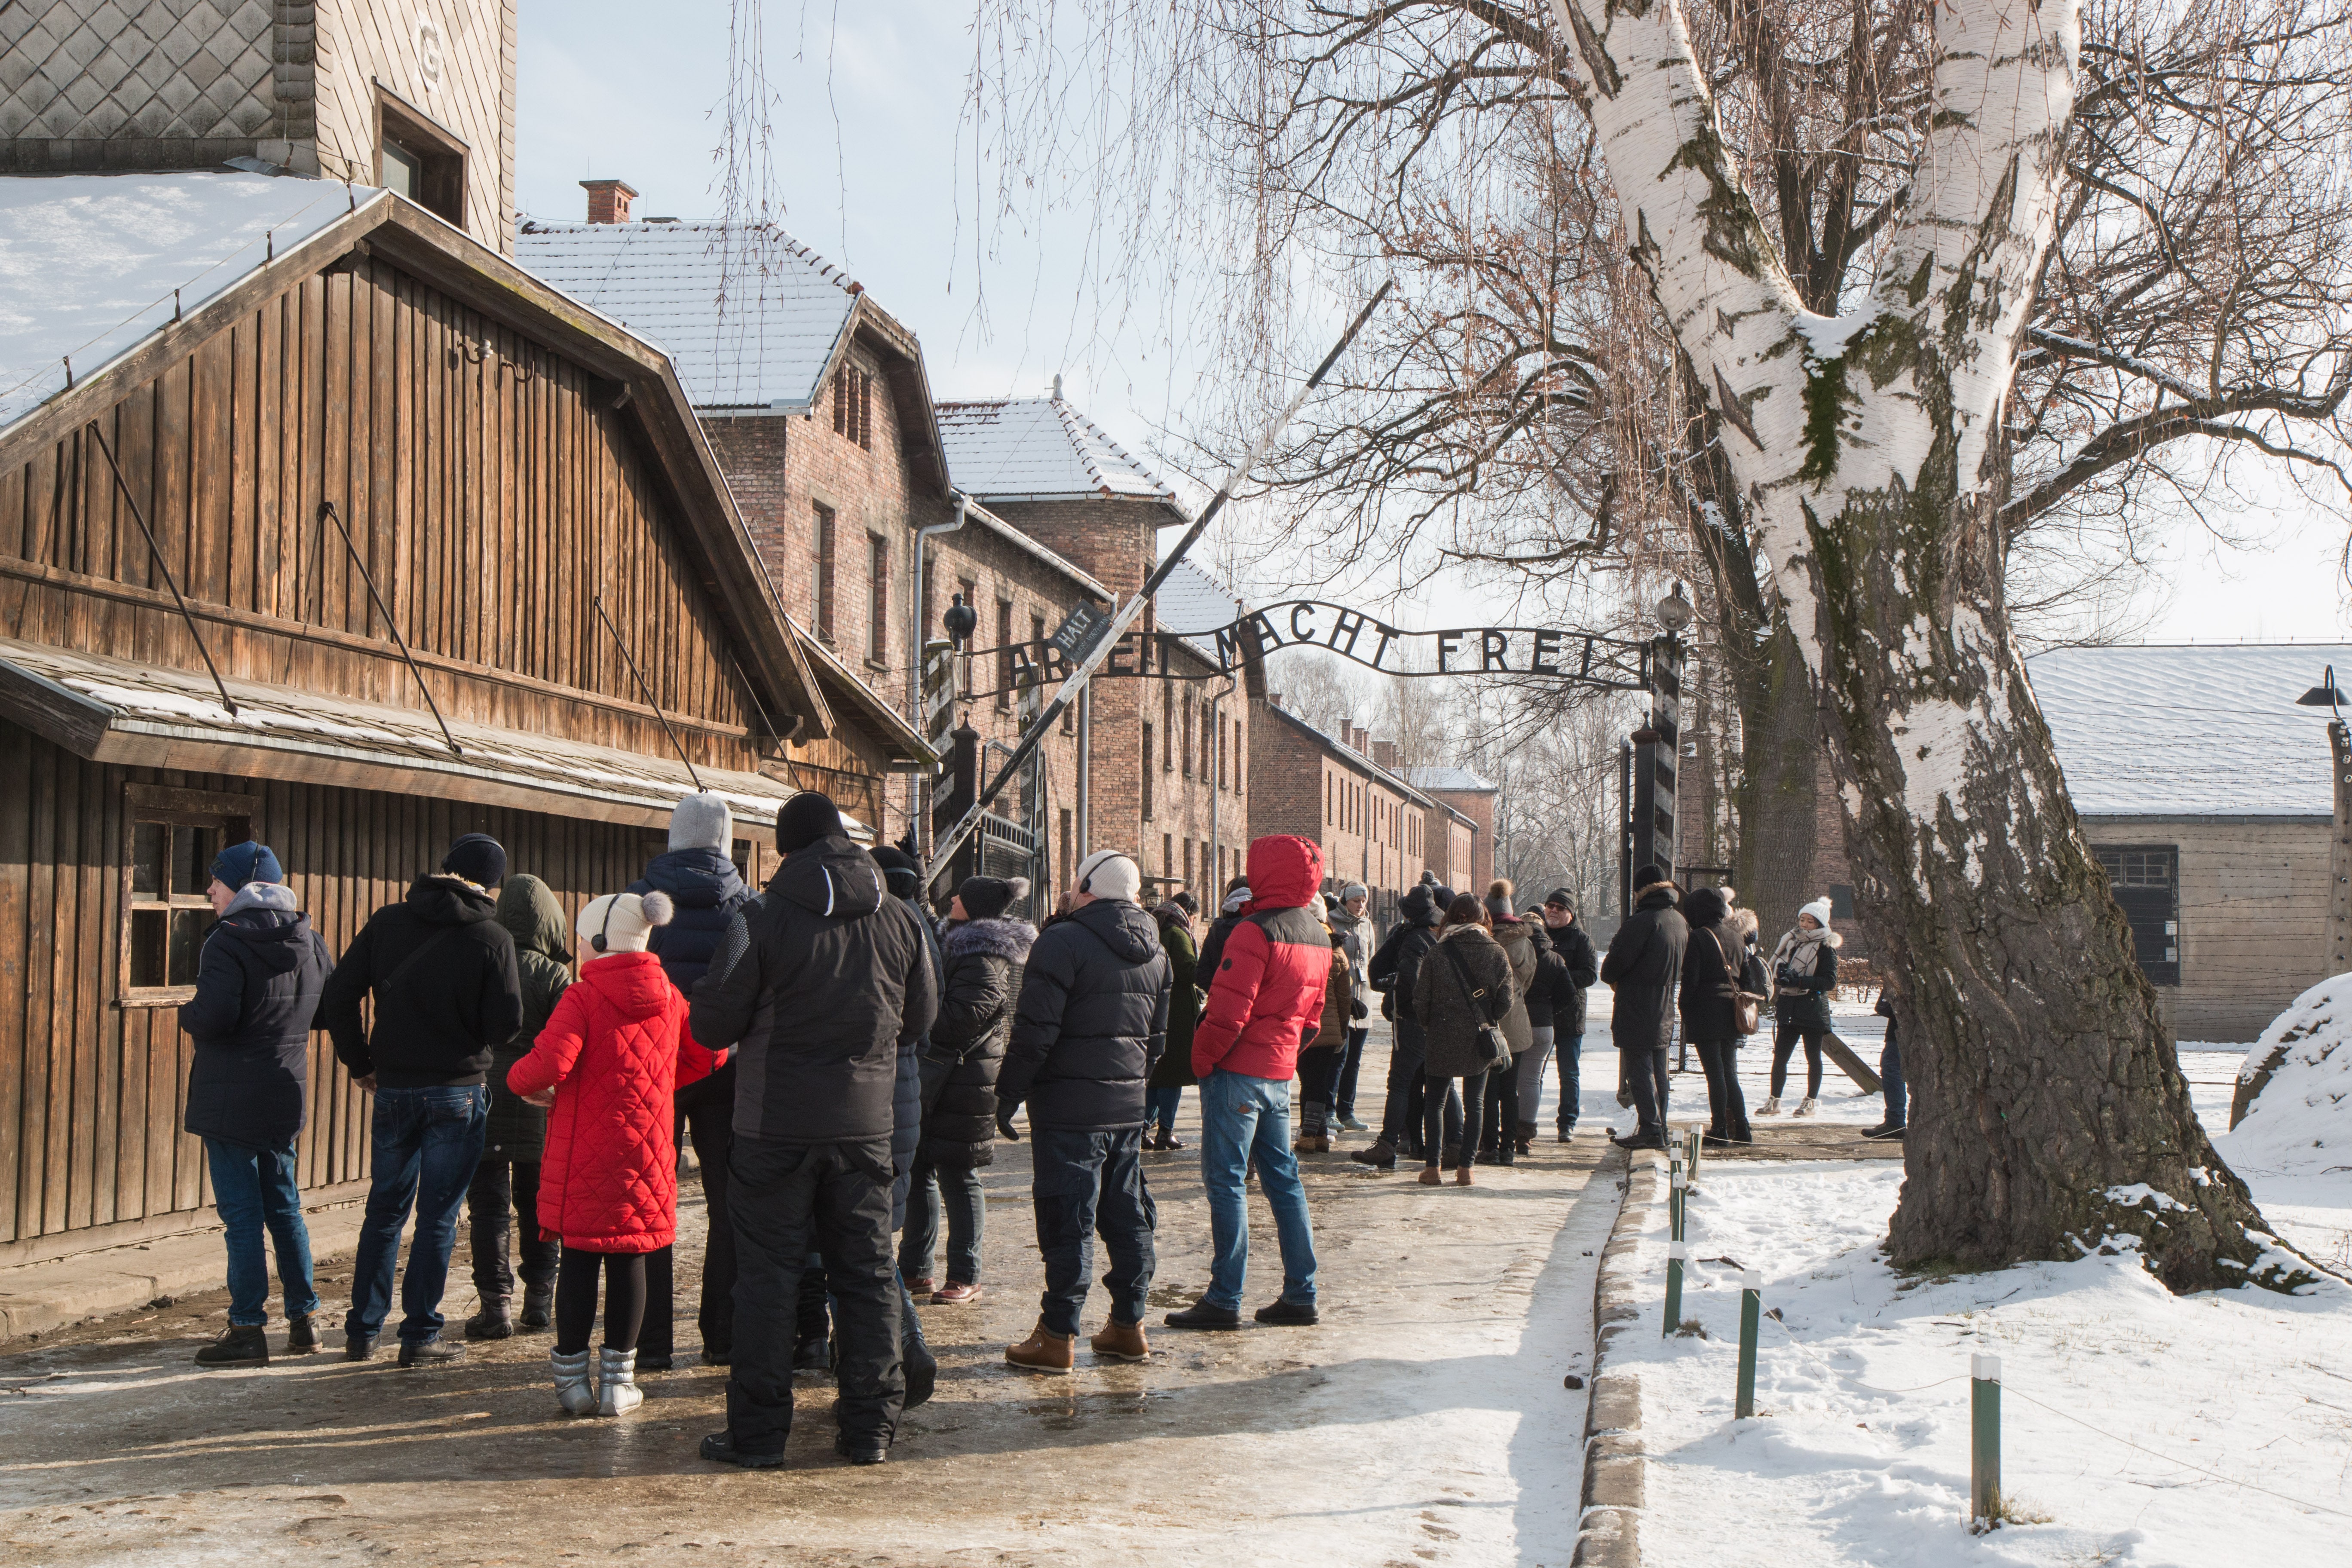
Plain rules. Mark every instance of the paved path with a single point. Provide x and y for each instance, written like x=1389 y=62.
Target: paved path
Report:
x=1425 y=1421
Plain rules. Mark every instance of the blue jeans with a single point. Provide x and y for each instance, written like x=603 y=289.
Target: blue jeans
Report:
x=426 y=1144
x=956 y=1190
x=1243 y=1118
x=1083 y=1183
x=1890 y=1077
x=253 y=1188
x=1569 y=1053
x=1351 y=1061
x=1159 y=1107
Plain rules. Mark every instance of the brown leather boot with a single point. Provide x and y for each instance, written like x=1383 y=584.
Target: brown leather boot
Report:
x=1431 y=1176
x=1045 y=1351
x=1121 y=1341
x=1462 y=1177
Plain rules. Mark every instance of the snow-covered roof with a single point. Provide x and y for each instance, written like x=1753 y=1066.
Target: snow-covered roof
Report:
x=785 y=310
x=1039 y=448
x=89 y=263
x=1193 y=604
x=1348 y=754
x=2207 y=730
x=1449 y=778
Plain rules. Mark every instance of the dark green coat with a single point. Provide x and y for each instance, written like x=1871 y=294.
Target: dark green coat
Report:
x=1175 y=1070
x=527 y=908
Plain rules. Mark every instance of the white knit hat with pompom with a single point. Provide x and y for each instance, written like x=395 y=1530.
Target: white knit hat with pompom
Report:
x=622 y=922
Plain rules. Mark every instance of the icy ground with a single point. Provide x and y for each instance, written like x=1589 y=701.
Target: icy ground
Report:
x=2137 y=1428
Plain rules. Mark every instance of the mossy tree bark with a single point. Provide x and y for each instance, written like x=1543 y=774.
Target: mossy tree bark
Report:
x=2049 y=1112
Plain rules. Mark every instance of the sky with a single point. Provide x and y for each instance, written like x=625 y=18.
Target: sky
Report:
x=875 y=166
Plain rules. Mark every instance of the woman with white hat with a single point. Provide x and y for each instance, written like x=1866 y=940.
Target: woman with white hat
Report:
x=1804 y=972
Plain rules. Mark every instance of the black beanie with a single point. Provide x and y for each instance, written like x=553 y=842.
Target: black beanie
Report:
x=1417 y=906
x=987 y=898
x=900 y=872
x=478 y=857
x=1648 y=876
x=806 y=818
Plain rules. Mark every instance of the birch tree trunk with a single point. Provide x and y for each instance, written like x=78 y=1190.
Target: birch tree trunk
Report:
x=2049 y=1115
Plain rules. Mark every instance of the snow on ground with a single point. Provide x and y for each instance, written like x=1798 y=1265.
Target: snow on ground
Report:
x=1859 y=1453
x=1859 y=1450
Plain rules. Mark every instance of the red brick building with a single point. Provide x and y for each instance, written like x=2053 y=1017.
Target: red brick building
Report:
x=1464 y=857
x=1374 y=826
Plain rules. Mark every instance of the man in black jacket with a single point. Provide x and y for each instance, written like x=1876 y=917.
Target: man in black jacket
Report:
x=257 y=986
x=1091 y=1021
x=1392 y=969
x=1644 y=962
x=820 y=983
x=442 y=968
x=1575 y=950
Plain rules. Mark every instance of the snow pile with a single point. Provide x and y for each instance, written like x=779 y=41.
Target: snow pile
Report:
x=2138 y=1427
x=2295 y=1090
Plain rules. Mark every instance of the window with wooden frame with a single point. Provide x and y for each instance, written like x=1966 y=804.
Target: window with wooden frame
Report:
x=821 y=559
x=419 y=159
x=1188 y=737
x=1167 y=728
x=852 y=406
x=878 y=599
x=170 y=837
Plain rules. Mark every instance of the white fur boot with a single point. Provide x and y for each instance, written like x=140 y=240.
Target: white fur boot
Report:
x=572 y=1383
x=1809 y=1107
x=1771 y=1106
x=617 y=1392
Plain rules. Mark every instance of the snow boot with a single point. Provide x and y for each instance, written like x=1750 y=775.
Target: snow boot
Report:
x=494 y=1321
x=1121 y=1341
x=537 y=1306
x=236 y=1347
x=303 y=1334
x=1771 y=1106
x=1807 y=1106
x=1045 y=1351
x=572 y=1382
x=618 y=1393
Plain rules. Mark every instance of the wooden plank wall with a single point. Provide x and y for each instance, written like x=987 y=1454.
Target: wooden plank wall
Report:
x=91 y=1093
x=492 y=494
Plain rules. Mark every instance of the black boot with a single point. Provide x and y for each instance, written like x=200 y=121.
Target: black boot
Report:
x=494 y=1321
x=236 y=1347
x=302 y=1335
x=1381 y=1156
x=538 y=1305
x=1201 y=1315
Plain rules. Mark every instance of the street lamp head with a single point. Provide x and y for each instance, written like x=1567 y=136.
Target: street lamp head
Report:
x=960 y=621
x=2325 y=694
x=1675 y=611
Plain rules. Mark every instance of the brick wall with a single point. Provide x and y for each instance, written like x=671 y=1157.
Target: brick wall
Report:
x=1470 y=852
x=1371 y=831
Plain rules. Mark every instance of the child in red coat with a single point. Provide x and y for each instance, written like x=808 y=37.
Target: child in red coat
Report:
x=605 y=1066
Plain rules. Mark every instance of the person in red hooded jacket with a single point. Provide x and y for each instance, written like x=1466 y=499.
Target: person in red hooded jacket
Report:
x=1265 y=1002
x=605 y=1066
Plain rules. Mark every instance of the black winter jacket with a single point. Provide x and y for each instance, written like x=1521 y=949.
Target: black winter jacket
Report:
x=818 y=983
x=528 y=908
x=1093 y=1017
x=257 y=986
x=976 y=1002
x=1575 y=950
x=1711 y=963
x=436 y=1028
x=1397 y=964
x=1804 y=973
x=1212 y=945
x=1175 y=1068
x=1644 y=961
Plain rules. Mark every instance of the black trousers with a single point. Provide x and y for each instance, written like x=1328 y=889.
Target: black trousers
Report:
x=707 y=1111
x=1646 y=1072
x=1440 y=1100
x=624 y=1274
x=787 y=1198
x=1786 y=1032
x=503 y=1199
x=1726 y=1106
x=1499 y=1119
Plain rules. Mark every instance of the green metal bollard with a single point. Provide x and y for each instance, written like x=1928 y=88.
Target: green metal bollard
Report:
x=1752 y=1314
x=1695 y=1141
x=1675 y=1252
x=1984 y=1441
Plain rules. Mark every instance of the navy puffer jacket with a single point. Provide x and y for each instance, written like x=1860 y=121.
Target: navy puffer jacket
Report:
x=1092 y=1018
x=257 y=986
x=705 y=891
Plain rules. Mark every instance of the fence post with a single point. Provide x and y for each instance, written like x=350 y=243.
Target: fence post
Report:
x=1675 y=1252
x=1984 y=1441
x=1694 y=1138
x=1677 y=1204
x=1751 y=1311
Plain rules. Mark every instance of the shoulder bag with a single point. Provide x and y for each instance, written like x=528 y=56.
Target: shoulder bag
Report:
x=1492 y=1048
x=1746 y=1007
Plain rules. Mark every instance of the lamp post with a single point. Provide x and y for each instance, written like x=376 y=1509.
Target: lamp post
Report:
x=2339 y=858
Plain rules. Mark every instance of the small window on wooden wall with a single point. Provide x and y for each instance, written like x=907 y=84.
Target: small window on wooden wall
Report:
x=171 y=837
x=419 y=159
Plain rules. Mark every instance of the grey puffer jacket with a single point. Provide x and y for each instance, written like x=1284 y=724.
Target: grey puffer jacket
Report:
x=985 y=960
x=1448 y=1012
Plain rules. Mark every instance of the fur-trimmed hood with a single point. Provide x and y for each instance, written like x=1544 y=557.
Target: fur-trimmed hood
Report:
x=1008 y=940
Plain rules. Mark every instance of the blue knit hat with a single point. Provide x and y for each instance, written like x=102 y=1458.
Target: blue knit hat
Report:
x=250 y=861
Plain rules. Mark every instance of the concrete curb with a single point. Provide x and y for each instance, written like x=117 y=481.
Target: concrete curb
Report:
x=1608 y=1535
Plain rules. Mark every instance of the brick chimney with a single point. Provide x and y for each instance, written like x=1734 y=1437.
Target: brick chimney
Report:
x=1384 y=753
x=608 y=200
